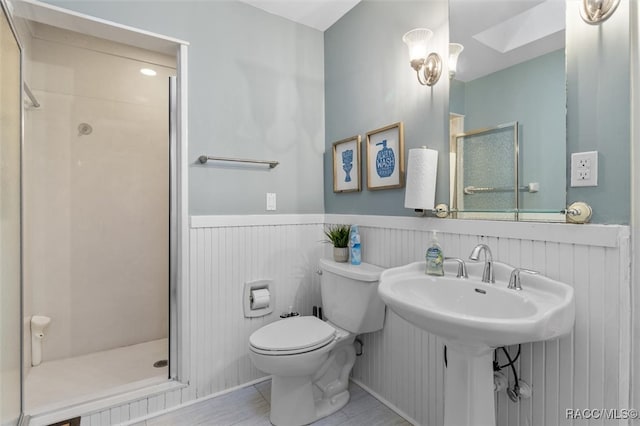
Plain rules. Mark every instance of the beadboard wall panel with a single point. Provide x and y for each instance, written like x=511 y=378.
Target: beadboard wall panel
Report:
x=401 y=363
x=222 y=260
x=587 y=369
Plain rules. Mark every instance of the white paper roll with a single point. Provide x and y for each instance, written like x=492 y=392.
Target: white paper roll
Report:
x=260 y=298
x=420 y=192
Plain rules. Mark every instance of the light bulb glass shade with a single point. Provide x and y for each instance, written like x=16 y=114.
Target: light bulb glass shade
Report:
x=416 y=41
x=454 y=53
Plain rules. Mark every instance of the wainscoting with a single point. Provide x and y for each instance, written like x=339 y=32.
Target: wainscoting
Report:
x=587 y=369
x=223 y=258
x=401 y=364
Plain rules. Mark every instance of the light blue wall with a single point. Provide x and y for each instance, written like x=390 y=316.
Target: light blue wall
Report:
x=598 y=109
x=256 y=90
x=369 y=84
x=533 y=93
x=456 y=97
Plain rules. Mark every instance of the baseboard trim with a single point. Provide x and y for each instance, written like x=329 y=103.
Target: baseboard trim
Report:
x=193 y=401
x=380 y=398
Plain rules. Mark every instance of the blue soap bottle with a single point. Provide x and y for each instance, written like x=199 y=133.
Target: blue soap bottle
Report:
x=354 y=245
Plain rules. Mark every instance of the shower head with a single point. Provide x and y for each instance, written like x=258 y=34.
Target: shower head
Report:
x=84 y=129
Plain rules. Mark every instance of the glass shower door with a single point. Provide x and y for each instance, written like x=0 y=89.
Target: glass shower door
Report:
x=10 y=223
x=487 y=173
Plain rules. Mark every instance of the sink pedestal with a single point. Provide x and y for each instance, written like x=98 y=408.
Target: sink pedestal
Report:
x=468 y=386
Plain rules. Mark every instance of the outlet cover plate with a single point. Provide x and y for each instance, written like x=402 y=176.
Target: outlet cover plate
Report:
x=584 y=168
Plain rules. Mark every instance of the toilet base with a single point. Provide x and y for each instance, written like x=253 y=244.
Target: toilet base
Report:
x=326 y=407
x=293 y=402
x=300 y=400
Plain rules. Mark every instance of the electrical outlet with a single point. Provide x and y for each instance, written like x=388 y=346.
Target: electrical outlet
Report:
x=583 y=163
x=584 y=174
x=584 y=168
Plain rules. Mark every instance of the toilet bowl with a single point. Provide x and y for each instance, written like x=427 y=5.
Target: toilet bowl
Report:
x=309 y=359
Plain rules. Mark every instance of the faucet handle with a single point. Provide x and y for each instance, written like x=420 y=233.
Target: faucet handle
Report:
x=514 y=279
x=462 y=267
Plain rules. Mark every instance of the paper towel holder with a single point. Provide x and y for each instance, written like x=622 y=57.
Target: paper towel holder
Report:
x=246 y=298
x=441 y=211
x=422 y=172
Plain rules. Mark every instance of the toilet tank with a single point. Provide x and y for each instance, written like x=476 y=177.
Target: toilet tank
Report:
x=350 y=296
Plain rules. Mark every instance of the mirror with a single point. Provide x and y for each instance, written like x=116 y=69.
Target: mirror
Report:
x=512 y=70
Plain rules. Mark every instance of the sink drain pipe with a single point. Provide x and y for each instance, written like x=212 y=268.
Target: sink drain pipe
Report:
x=514 y=392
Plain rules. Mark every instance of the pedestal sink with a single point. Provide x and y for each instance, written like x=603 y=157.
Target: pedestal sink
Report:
x=474 y=318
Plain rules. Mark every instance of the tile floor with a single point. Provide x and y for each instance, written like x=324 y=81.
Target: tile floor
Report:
x=250 y=407
x=82 y=378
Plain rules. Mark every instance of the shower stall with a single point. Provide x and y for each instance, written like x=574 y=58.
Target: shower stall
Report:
x=97 y=216
x=93 y=213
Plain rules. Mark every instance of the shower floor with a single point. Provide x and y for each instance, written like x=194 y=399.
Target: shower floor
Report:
x=79 y=379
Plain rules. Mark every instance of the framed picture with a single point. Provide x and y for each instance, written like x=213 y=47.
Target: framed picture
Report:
x=385 y=157
x=346 y=165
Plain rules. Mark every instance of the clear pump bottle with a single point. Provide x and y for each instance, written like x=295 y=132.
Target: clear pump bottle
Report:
x=434 y=257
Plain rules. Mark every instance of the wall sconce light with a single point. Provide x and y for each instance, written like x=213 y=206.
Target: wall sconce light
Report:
x=596 y=11
x=454 y=52
x=428 y=66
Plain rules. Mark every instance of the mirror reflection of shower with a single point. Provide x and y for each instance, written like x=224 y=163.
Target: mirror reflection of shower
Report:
x=525 y=82
x=96 y=239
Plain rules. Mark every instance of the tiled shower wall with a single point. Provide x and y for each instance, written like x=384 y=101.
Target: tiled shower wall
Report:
x=402 y=364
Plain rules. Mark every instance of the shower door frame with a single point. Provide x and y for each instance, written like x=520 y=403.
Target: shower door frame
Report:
x=5 y=10
x=179 y=319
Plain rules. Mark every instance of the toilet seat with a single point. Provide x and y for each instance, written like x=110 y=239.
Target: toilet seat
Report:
x=292 y=336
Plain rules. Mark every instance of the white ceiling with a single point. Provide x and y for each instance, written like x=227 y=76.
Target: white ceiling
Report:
x=497 y=34
x=318 y=14
x=518 y=30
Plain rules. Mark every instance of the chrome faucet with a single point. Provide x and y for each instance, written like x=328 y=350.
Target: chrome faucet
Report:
x=514 y=279
x=462 y=267
x=487 y=275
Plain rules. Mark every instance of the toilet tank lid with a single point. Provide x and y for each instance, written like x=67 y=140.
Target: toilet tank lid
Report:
x=363 y=272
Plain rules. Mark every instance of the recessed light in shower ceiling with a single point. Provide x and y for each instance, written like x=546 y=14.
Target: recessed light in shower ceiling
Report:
x=148 y=71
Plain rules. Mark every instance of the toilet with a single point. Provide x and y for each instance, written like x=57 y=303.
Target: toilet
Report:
x=309 y=359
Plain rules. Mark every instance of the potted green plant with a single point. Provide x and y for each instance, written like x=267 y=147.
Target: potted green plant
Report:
x=338 y=235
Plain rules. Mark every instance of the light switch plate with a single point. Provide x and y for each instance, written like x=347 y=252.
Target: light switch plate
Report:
x=271 y=200
x=584 y=168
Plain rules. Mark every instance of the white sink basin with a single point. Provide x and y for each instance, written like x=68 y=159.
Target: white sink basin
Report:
x=474 y=318
x=473 y=312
